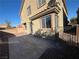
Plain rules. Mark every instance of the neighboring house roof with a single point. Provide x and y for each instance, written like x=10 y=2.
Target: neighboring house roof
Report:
x=3 y=26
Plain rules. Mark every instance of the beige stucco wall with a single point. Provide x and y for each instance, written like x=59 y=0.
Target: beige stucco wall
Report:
x=60 y=15
x=35 y=10
x=60 y=20
x=53 y=21
x=36 y=25
x=62 y=5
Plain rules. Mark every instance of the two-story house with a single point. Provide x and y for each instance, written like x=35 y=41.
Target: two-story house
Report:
x=44 y=15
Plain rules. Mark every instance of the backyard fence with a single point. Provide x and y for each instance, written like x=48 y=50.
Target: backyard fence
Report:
x=72 y=39
x=15 y=31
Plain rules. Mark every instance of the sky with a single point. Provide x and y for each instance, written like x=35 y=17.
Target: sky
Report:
x=9 y=10
x=72 y=7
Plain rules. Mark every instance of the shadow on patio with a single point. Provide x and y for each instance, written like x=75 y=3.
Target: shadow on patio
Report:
x=4 y=47
x=61 y=51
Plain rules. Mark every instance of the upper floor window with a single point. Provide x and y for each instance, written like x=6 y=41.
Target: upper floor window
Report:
x=41 y=3
x=28 y=10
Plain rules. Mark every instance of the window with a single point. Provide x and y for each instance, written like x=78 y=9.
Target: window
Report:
x=41 y=2
x=46 y=21
x=28 y=10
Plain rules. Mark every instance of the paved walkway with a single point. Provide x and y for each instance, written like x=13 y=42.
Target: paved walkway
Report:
x=4 y=47
x=30 y=47
x=27 y=47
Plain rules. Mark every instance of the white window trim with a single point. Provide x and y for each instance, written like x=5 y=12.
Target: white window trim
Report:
x=28 y=12
x=40 y=5
x=45 y=21
x=56 y=21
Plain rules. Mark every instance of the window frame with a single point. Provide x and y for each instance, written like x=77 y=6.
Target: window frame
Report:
x=39 y=5
x=44 y=19
x=48 y=16
x=56 y=23
x=28 y=10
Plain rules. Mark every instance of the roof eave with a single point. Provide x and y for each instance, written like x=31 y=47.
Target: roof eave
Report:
x=21 y=7
x=65 y=6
